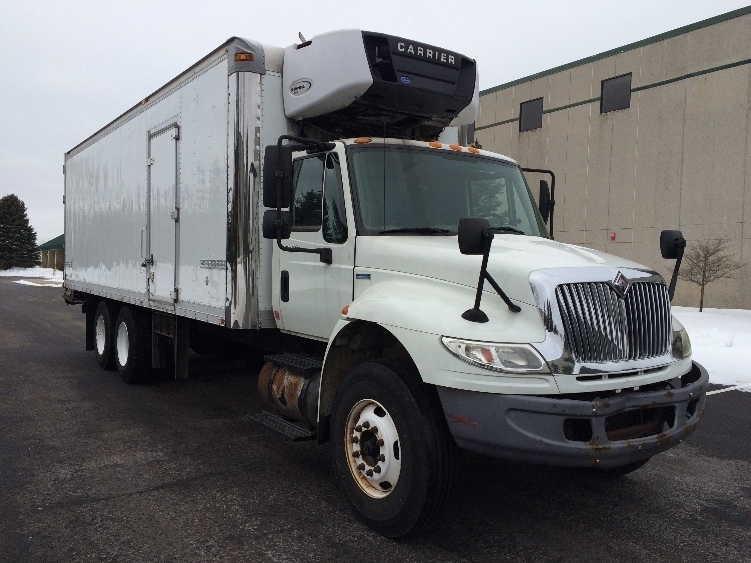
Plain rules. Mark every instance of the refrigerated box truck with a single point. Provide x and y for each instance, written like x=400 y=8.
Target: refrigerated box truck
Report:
x=319 y=207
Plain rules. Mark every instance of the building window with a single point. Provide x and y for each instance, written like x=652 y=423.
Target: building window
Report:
x=616 y=93
x=530 y=115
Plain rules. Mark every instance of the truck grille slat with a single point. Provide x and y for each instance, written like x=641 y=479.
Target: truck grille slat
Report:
x=602 y=326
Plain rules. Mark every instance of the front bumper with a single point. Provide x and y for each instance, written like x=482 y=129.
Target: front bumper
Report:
x=603 y=432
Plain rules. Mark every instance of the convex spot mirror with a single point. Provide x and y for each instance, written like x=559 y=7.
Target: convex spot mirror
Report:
x=272 y=156
x=672 y=244
x=472 y=235
x=270 y=225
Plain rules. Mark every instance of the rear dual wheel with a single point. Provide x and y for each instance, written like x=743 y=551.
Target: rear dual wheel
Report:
x=104 y=330
x=132 y=345
x=393 y=453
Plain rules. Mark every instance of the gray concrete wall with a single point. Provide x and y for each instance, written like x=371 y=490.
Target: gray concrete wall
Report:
x=678 y=158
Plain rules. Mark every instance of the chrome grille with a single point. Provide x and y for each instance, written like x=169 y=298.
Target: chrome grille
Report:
x=602 y=326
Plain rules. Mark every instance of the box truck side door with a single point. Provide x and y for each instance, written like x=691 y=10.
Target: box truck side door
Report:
x=313 y=293
x=163 y=213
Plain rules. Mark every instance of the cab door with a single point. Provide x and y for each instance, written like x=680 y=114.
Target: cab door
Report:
x=311 y=292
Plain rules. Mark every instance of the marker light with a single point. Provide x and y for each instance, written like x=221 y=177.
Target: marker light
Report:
x=455 y=148
x=435 y=144
x=362 y=140
x=508 y=358
x=473 y=150
x=243 y=57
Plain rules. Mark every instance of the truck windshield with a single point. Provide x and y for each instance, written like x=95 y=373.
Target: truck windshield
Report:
x=420 y=191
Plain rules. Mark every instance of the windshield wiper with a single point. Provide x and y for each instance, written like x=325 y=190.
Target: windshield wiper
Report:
x=418 y=230
x=506 y=229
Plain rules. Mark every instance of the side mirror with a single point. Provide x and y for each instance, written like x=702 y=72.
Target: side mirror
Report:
x=471 y=238
x=672 y=244
x=270 y=224
x=272 y=157
x=544 y=200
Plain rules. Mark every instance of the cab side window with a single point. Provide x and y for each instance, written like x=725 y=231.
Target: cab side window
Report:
x=334 y=217
x=318 y=197
x=307 y=192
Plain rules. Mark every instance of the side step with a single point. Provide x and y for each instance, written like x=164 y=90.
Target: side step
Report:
x=302 y=364
x=281 y=426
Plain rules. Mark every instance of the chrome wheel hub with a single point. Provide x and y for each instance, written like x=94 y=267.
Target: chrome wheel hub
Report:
x=373 y=449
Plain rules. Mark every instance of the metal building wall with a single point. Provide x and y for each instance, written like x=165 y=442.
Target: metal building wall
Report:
x=678 y=157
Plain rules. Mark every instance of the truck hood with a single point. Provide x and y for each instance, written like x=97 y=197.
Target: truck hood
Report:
x=512 y=259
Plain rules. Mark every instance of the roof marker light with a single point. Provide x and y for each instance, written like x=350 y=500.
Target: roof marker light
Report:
x=435 y=144
x=473 y=150
x=363 y=140
x=455 y=148
x=243 y=57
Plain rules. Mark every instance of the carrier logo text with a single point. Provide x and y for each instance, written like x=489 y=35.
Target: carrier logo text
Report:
x=426 y=52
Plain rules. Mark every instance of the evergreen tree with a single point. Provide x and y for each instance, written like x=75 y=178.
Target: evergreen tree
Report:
x=18 y=240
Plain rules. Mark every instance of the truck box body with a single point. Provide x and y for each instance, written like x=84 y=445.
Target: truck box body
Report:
x=172 y=180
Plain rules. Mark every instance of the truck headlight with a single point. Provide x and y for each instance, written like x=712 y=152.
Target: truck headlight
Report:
x=681 y=344
x=509 y=358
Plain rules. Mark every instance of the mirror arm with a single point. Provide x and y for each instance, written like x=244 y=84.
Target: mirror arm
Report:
x=475 y=314
x=512 y=306
x=552 y=192
x=674 y=279
x=324 y=253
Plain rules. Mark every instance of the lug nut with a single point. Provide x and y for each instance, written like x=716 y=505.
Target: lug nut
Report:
x=361 y=466
x=358 y=428
x=369 y=473
x=374 y=430
x=377 y=469
x=380 y=457
x=356 y=454
x=366 y=424
x=355 y=440
x=381 y=442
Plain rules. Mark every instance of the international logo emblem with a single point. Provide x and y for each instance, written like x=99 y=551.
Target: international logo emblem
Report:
x=620 y=283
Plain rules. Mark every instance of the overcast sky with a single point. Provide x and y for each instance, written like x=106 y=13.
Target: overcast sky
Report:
x=69 y=67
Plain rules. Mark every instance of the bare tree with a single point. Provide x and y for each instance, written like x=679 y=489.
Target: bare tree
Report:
x=708 y=261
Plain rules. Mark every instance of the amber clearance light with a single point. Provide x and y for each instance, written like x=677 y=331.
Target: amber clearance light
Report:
x=243 y=57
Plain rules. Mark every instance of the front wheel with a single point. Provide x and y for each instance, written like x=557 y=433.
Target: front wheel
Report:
x=393 y=454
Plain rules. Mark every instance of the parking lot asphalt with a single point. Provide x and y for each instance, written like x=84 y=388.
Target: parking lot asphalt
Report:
x=94 y=469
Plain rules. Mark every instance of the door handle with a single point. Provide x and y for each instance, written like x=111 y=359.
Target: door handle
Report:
x=284 y=286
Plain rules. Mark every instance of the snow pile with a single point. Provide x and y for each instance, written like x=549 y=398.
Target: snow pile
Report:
x=50 y=277
x=721 y=342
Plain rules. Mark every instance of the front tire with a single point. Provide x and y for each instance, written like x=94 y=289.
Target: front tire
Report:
x=392 y=453
x=104 y=331
x=132 y=346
